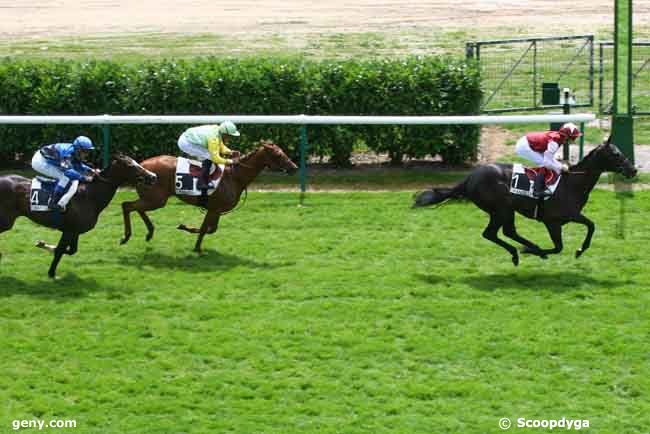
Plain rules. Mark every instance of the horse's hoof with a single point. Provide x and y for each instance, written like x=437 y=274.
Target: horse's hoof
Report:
x=543 y=256
x=124 y=240
x=182 y=227
x=40 y=244
x=149 y=236
x=515 y=260
x=579 y=253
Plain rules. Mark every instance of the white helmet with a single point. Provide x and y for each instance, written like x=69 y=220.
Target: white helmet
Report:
x=228 y=128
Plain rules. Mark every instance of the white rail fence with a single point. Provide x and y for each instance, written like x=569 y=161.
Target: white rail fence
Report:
x=107 y=120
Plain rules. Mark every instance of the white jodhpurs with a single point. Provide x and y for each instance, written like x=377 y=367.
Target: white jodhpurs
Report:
x=193 y=150
x=523 y=150
x=40 y=164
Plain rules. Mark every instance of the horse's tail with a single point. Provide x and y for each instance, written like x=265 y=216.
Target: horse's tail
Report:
x=439 y=195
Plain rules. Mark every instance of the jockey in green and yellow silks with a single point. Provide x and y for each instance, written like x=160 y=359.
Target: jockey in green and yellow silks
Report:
x=209 y=144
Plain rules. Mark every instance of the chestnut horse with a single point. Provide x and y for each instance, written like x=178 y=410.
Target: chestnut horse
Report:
x=234 y=181
x=83 y=210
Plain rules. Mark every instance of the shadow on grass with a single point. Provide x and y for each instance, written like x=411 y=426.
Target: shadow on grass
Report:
x=69 y=286
x=209 y=260
x=563 y=281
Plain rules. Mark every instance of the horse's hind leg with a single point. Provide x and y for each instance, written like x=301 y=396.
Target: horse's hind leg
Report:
x=491 y=233
x=555 y=231
x=141 y=205
x=510 y=231
x=6 y=223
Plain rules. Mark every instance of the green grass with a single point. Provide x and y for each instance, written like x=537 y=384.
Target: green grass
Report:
x=353 y=314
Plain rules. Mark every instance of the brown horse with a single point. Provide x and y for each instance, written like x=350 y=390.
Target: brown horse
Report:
x=234 y=181
x=83 y=211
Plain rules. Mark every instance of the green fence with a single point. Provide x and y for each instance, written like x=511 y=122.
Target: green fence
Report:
x=513 y=71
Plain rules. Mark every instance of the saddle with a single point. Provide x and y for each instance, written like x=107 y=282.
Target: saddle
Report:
x=188 y=173
x=523 y=179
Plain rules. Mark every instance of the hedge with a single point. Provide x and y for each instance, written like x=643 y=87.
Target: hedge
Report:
x=256 y=86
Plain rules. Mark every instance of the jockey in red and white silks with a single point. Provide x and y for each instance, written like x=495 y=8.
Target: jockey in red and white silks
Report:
x=540 y=148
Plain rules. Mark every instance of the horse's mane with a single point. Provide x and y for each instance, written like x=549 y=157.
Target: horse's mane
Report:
x=262 y=144
x=587 y=159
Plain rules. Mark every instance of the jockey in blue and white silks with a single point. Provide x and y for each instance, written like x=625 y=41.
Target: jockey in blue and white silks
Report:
x=63 y=161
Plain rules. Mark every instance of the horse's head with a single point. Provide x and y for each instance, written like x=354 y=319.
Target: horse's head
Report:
x=614 y=160
x=125 y=169
x=276 y=159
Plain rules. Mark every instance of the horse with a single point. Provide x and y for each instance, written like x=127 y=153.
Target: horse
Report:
x=225 y=198
x=83 y=210
x=488 y=187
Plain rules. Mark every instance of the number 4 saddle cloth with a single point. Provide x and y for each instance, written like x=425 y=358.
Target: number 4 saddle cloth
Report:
x=41 y=190
x=188 y=173
x=523 y=180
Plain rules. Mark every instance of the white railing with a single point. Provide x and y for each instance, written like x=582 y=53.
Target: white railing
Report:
x=304 y=120
x=297 y=119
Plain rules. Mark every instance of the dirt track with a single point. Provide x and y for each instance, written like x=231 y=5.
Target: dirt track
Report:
x=41 y=18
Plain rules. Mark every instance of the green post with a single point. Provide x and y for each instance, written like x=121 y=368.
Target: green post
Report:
x=303 y=164
x=581 y=148
x=622 y=121
x=106 y=153
x=566 y=109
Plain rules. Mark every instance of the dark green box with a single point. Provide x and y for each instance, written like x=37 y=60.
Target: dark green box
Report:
x=550 y=93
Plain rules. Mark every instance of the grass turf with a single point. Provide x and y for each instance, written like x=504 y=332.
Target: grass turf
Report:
x=353 y=314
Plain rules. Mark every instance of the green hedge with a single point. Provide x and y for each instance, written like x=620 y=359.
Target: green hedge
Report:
x=413 y=86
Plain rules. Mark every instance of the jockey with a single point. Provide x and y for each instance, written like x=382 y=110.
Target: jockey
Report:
x=208 y=142
x=64 y=161
x=540 y=148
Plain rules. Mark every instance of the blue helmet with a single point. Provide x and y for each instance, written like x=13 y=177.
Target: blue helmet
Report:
x=83 y=142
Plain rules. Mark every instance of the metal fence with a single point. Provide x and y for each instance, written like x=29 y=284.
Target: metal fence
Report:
x=513 y=70
x=640 y=77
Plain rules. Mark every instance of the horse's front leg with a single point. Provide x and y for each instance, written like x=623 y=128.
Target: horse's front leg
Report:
x=72 y=247
x=61 y=248
x=590 y=232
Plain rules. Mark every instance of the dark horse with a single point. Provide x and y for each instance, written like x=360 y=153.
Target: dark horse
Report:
x=488 y=187
x=234 y=181
x=83 y=211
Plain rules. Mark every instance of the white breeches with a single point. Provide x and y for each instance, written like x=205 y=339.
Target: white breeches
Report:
x=193 y=150
x=40 y=164
x=523 y=150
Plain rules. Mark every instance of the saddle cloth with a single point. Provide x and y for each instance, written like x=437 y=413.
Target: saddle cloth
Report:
x=41 y=190
x=523 y=179
x=188 y=173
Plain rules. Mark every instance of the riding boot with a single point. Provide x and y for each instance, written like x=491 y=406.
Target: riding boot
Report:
x=204 y=182
x=539 y=187
x=55 y=197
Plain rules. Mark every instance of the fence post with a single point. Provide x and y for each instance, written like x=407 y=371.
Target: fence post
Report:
x=566 y=108
x=303 y=165
x=106 y=153
x=581 y=151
